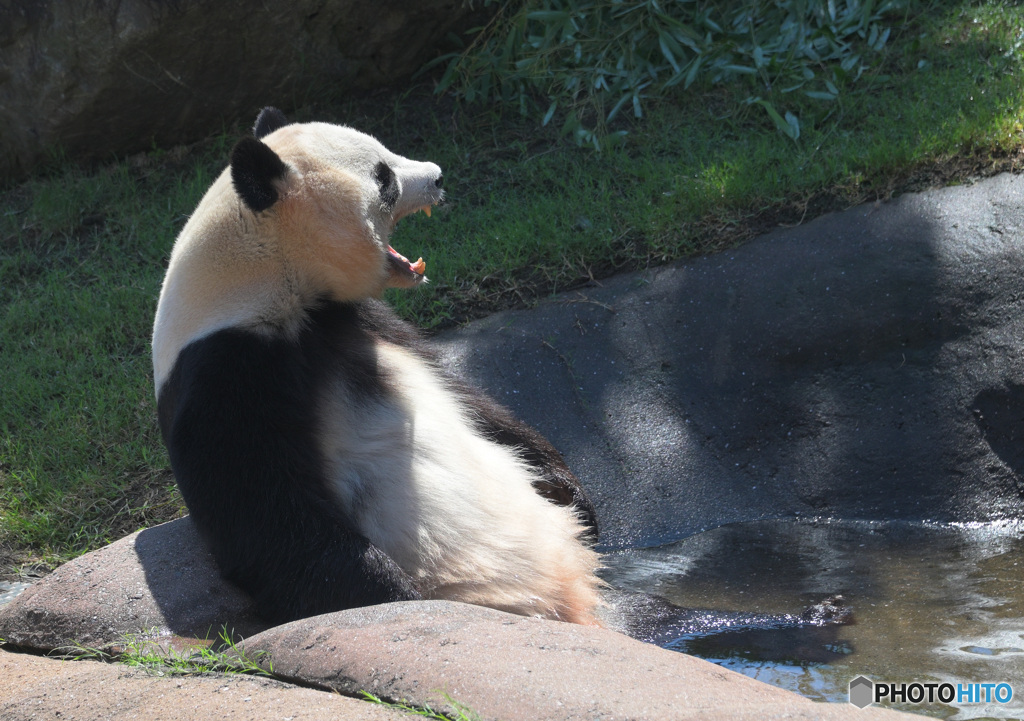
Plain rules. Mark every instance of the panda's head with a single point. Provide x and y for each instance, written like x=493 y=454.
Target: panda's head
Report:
x=304 y=214
x=337 y=193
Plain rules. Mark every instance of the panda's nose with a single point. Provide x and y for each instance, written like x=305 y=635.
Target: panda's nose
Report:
x=440 y=181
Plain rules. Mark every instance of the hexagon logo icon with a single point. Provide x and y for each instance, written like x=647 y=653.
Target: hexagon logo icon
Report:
x=862 y=691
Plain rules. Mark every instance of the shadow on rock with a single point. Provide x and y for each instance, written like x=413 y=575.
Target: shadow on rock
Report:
x=999 y=413
x=159 y=584
x=825 y=370
x=186 y=586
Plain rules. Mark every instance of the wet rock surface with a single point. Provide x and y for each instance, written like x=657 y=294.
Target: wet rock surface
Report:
x=865 y=365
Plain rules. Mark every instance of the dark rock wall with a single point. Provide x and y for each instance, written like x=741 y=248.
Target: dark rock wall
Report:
x=102 y=77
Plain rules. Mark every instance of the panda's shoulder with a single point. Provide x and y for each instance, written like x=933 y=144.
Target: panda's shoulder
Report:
x=381 y=322
x=330 y=337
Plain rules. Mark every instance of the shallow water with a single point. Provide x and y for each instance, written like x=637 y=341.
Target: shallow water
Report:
x=930 y=603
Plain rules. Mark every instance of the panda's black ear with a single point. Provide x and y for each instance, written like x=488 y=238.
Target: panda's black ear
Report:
x=256 y=173
x=269 y=120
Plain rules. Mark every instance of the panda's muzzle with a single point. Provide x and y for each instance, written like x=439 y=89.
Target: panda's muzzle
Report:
x=419 y=187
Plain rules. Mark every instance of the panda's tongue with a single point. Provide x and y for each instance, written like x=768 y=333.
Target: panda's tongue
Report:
x=419 y=267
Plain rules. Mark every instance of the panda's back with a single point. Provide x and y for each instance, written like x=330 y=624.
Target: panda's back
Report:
x=352 y=417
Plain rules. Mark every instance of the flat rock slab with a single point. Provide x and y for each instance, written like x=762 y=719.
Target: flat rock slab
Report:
x=866 y=365
x=32 y=687
x=160 y=582
x=510 y=667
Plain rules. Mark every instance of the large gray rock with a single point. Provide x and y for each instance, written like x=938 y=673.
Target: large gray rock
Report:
x=866 y=365
x=510 y=667
x=98 y=78
x=160 y=583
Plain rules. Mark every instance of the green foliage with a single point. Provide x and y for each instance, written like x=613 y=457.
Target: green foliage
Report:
x=590 y=60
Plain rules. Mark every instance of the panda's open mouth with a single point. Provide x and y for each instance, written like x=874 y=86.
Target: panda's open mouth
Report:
x=406 y=213
x=405 y=273
x=419 y=267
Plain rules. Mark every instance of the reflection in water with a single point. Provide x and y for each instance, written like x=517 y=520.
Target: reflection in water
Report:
x=941 y=603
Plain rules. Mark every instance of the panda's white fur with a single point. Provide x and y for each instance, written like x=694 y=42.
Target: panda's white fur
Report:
x=324 y=455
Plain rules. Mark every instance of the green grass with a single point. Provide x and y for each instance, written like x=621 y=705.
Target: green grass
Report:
x=225 y=656
x=461 y=711
x=82 y=251
x=143 y=652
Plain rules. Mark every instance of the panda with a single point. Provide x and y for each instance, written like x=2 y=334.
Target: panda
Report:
x=325 y=456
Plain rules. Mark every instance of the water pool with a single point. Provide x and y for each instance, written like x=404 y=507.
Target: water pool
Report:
x=929 y=602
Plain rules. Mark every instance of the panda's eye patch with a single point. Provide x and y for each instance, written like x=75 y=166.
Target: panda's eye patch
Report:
x=385 y=178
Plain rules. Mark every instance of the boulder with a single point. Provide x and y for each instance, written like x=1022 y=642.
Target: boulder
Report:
x=865 y=365
x=160 y=584
x=100 y=78
x=501 y=666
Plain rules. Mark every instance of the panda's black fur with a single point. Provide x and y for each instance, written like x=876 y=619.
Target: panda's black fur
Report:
x=240 y=405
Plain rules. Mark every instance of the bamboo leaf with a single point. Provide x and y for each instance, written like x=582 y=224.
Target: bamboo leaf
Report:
x=600 y=53
x=740 y=69
x=788 y=126
x=667 y=53
x=547 y=16
x=758 y=55
x=692 y=74
x=794 y=126
x=550 y=112
x=618 y=106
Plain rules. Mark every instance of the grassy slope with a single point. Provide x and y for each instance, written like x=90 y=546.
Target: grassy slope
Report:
x=82 y=252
